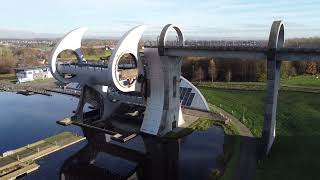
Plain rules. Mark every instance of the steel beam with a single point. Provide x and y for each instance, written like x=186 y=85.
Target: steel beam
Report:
x=276 y=40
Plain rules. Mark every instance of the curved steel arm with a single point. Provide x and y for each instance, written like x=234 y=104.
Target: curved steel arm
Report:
x=163 y=37
x=128 y=44
x=71 y=41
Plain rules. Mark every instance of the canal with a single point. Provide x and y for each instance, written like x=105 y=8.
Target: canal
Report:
x=26 y=119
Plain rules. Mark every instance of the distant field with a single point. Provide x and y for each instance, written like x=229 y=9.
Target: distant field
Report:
x=295 y=152
x=305 y=80
x=304 y=83
x=95 y=57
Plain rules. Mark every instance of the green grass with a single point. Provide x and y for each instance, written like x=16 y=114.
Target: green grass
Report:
x=234 y=150
x=97 y=56
x=257 y=86
x=58 y=137
x=236 y=102
x=305 y=80
x=94 y=57
x=294 y=153
x=201 y=125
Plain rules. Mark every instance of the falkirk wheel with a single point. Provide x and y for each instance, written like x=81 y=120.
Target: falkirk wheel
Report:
x=150 y=86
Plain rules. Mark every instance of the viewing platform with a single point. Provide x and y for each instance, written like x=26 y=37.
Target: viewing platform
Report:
x=20 y=161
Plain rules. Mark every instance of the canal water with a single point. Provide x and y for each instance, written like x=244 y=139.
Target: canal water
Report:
x=26 y=119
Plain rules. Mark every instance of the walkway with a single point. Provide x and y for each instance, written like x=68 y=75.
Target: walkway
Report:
x=19 y=161
x=242 y=129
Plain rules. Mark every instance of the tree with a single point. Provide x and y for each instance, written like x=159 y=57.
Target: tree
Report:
x=300 y=67
x=199 y=74
x=311 y=68
x=285 y=69
x=7 y=60
x=212 y=70
x=262 y=71
x=228 y=75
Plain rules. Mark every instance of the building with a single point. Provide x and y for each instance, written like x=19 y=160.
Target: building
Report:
x=25 y=74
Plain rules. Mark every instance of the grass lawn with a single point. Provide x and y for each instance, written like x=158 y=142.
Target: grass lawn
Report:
x=294 y=154
x=97 y=57
x=305 y=80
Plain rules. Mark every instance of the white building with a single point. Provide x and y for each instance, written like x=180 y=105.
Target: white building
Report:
x=32 y=73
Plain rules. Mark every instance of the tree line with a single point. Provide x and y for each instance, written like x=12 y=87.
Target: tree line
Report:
x=210 y=69
x=193 y=68
x=12 y=57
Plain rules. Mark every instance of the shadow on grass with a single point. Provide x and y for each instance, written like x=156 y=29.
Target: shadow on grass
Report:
x=240 y=157
x=291 y=157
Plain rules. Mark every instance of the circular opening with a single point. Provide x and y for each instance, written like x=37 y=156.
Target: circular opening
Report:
x=67 y=56
x=96 y=55
x=127 y=70
x=172 y=38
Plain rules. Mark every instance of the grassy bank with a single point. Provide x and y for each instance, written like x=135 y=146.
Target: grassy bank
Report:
x=294 y=154
x=297 y=84
x=201 y=125
x=305 y=80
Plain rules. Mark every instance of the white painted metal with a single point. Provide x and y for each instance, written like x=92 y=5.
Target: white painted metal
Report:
x=127 y=45
x=199 y=102
x=163 y=110
x=71 y=41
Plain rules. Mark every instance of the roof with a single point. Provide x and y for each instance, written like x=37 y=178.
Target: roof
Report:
x=29 y=68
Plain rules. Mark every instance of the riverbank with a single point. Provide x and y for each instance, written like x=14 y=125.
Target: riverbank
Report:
x=259 y=86
x=297 y=129
x=37 y=85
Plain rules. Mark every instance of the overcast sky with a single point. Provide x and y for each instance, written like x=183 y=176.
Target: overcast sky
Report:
x=203 y=18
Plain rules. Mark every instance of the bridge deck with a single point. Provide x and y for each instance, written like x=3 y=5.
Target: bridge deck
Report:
x=243 y=52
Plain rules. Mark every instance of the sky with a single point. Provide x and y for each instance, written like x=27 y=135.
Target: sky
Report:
x=212 y=19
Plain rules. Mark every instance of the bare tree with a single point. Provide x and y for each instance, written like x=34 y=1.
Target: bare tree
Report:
x=199 y=74
x=212 y=70
x=228 y=75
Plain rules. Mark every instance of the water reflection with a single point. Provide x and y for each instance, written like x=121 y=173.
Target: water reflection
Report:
x=192 y=157
x=26 y=119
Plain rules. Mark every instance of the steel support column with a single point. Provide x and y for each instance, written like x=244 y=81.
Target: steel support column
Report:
x=276 y=41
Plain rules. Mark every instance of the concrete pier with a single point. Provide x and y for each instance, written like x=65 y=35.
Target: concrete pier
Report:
x=20 y=161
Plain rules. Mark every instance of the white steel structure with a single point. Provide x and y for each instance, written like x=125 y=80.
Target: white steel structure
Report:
x=156 y=84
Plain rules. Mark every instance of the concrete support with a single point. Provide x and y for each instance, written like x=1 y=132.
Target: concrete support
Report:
x=276 y=41
x=163 y=79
